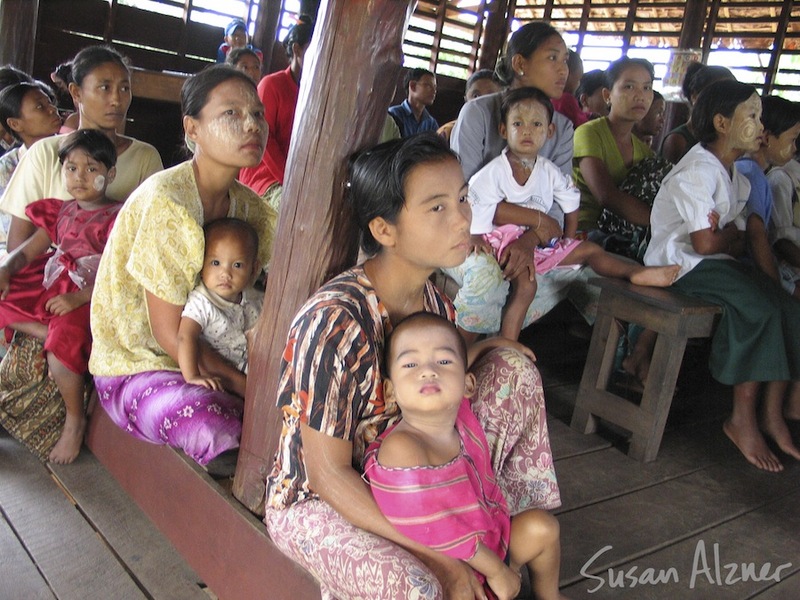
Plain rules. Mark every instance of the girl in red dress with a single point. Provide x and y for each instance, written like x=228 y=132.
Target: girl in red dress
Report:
x=45 y=292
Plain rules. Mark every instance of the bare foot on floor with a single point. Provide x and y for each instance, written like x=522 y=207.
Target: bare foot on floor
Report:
x=779 y=432
x=68 y=445
x=791 y=411
x=637 y=367
x=753 y=446
x=656 y=276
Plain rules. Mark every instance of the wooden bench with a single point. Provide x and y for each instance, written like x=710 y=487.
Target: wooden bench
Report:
x=222 y=541
x=676 y=318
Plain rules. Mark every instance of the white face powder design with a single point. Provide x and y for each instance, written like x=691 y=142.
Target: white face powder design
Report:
x=746 y=127
x=99 y=182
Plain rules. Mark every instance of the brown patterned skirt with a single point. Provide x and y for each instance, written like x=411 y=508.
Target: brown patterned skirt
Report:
x=31 y=409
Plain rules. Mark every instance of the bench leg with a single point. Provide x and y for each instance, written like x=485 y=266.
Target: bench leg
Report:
x=657 y=398
x=597 y=372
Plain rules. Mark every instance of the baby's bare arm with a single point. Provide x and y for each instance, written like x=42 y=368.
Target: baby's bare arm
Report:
x=188 y=354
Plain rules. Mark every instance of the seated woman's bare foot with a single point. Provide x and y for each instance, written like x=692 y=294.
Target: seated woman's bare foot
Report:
x=791 y=410
x=753 y=446
x=656 y=276
x=637 y=366
x=68 y=445
x=777 y=429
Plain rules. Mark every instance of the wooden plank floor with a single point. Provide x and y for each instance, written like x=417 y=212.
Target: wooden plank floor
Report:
x=698 y=523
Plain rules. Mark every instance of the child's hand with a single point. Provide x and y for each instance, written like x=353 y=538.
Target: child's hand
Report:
x=479 y=245
x=64 y=303
x=548 y=229
x=713 y=220
x=212 y=383
x=505 y=584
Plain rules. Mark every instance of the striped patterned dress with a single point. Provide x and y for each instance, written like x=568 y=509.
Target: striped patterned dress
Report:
x=450 y=507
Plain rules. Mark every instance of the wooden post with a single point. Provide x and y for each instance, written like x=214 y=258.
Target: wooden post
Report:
x=18 y=19
x=694 y=21
x=494 y=38
x=348 y=80
x=266 y=30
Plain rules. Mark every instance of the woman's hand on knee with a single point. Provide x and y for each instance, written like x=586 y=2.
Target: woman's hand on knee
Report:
x=478 y=349
x=456 y=577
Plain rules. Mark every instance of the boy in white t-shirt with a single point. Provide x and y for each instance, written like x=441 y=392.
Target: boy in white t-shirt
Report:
x=512 y=192
x=224 y=306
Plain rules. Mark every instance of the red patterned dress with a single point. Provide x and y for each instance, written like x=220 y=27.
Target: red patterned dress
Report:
x=79 y=236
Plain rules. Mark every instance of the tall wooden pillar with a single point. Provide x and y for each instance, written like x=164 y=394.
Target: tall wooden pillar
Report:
x=694 y=22
x=266 y=30
x=348 y=80
x=495 y=32
x=18 y=20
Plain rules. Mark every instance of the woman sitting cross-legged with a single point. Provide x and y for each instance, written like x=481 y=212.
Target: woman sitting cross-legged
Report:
x=410 y=200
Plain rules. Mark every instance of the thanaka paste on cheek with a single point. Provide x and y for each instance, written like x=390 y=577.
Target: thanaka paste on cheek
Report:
x=744 y=136
x=99 y=183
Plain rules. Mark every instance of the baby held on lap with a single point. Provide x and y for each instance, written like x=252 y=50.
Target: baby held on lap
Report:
x=515 y=191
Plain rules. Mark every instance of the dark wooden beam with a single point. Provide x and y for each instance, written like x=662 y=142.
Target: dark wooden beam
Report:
x=476 y=37
x=266 y=31
x=587 y=7
x=18 y=20
x=494 y=38
x=777 y=47
x=694 y=18
x=348 y=80
x=629 y=21
x=441 y=11
x=711 y=25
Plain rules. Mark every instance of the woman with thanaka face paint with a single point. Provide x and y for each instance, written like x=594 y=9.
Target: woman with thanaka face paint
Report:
x=606 y=148
x=536 y=56
x=699 y=221
x=151 y=263
x=101 y=88
x=45 y=293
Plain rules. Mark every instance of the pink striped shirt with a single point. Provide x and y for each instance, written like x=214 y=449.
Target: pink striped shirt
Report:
x=450 y=507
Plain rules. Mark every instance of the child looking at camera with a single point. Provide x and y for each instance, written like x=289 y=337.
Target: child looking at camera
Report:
x=431 y=473
x=45 y=293
x=510 y=195
x=224 y=306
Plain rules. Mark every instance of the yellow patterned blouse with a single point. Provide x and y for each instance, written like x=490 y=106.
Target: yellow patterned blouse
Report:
x=157 y=245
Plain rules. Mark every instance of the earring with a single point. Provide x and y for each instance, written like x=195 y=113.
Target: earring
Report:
x=521 y=73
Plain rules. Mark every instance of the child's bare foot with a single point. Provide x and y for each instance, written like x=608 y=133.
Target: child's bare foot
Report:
x=777 y=429
x=752 y=445
x=656 y=276
x=68 y=445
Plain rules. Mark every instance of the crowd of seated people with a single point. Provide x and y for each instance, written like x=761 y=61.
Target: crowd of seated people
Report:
x=714 y=210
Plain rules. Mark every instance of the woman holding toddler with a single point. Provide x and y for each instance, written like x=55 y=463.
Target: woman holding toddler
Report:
x=410 y=201
x=151 y=264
